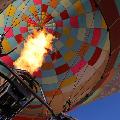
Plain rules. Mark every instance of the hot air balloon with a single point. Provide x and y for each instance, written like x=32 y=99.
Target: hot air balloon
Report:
x=78 y=67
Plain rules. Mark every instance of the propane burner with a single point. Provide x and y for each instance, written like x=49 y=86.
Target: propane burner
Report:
x=18 y=91
x=14 y=95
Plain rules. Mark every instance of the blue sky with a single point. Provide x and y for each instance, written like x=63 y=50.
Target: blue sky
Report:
x=107 y=108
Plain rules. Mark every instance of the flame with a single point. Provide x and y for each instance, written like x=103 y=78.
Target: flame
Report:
x=33 y=53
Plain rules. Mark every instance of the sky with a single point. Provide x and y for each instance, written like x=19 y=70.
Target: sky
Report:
x=107 y=108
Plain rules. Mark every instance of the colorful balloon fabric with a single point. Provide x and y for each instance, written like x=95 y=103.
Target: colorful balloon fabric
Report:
x=111 y=79
x=4 y=4
x=70 y=73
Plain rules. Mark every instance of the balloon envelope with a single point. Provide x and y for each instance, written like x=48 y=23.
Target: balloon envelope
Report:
x=71 y=71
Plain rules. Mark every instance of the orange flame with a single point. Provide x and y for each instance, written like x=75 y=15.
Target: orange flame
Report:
x=34 y=50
